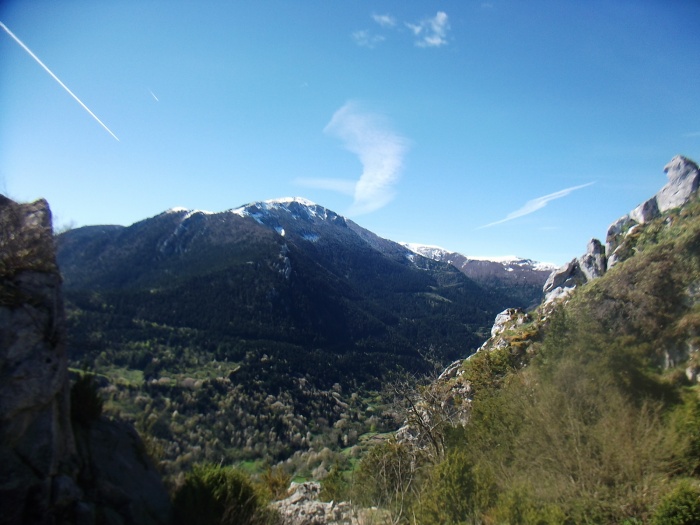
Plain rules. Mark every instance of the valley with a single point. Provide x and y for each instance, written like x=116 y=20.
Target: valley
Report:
x=268 y=332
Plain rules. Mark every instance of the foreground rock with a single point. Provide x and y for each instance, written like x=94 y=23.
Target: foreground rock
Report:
x=303 y=507
x=37 y=449
x=47 y=476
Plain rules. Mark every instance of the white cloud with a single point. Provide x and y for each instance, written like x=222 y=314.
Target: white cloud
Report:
x=341 y=186
x=384 y=20
x=431 y=32
x=533 y=205
x=380 y=151
x=365 y=38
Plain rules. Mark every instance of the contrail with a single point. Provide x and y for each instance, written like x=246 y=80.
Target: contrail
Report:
x=533 y=205
x=154 y=95
x=56 y=79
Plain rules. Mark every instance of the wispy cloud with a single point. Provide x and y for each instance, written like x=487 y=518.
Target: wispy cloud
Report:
x=153 y=95
x=380 y=150
x=365 y=38
x=384 y=20
x=431 y=32
x=341 y=186
x=536 y=204
x=31 y=54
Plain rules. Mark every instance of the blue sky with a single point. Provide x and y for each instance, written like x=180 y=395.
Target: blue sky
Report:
x=490 y=128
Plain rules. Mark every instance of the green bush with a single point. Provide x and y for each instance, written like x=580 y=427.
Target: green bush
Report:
x=275 y=481
x=680 y=507
x=457 y=491
x=335 y=486
x=388 y=477
x=216 y=495
x=517 y=506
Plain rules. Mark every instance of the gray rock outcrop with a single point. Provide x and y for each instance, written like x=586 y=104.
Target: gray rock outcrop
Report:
x=37 y=449
x=303 y=507
x=683 y=180
x=53 y=470
x=683 y=183
x=589 y=266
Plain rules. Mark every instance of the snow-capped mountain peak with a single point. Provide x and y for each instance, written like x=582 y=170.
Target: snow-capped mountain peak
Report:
x=298 y=207
x=288 y=200
x=511 y=270
x=441 y=254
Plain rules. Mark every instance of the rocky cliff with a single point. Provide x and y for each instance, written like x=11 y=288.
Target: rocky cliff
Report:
x=55 y=471
x=683 y=181
x=37 y=446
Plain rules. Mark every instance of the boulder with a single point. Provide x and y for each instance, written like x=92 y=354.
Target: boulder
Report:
x=507 y=319
x=683 y=180
x=593 y=263
x=303 y=507
x=645 y=212
x=568 y=276
x=616 y=234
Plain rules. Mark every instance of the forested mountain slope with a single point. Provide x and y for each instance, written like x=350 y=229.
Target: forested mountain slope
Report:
x=584 y=411
x=260 y=327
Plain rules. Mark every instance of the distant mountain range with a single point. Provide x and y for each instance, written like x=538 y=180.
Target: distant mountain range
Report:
x=292 y=271
x=268 y=323
x=519 y=279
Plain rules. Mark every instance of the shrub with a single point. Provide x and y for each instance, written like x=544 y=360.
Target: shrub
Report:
x=680 y=507
x=335 y=486
x=517 y=506
x=275 y=481
x=216 y=495
x=458 y=491
x=388 y=477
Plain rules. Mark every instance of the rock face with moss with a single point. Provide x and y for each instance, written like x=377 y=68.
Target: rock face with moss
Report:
x=682 y=186
x=54 y=468
x=683 y=180
x=36 y=439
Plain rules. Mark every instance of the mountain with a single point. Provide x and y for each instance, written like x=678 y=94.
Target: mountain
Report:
x=520 y=280
x=270 y=324
x=285 y=270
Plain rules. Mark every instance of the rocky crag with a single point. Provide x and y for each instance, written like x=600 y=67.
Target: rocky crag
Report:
x=54 y=470
x=683 y=181
x=517 y=330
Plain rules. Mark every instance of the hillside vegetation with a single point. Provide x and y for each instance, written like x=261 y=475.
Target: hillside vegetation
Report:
x=226 y=341
x=590 y=414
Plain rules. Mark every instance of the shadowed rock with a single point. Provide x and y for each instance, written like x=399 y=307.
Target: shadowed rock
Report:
x=51 y=472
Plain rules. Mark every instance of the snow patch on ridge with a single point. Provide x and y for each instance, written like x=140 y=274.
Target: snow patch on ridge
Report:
x=189 y=213
x=289 y=200
x=438 y=253
x=311 y=237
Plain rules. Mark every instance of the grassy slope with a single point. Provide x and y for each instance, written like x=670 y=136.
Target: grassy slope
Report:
x=586 y=416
